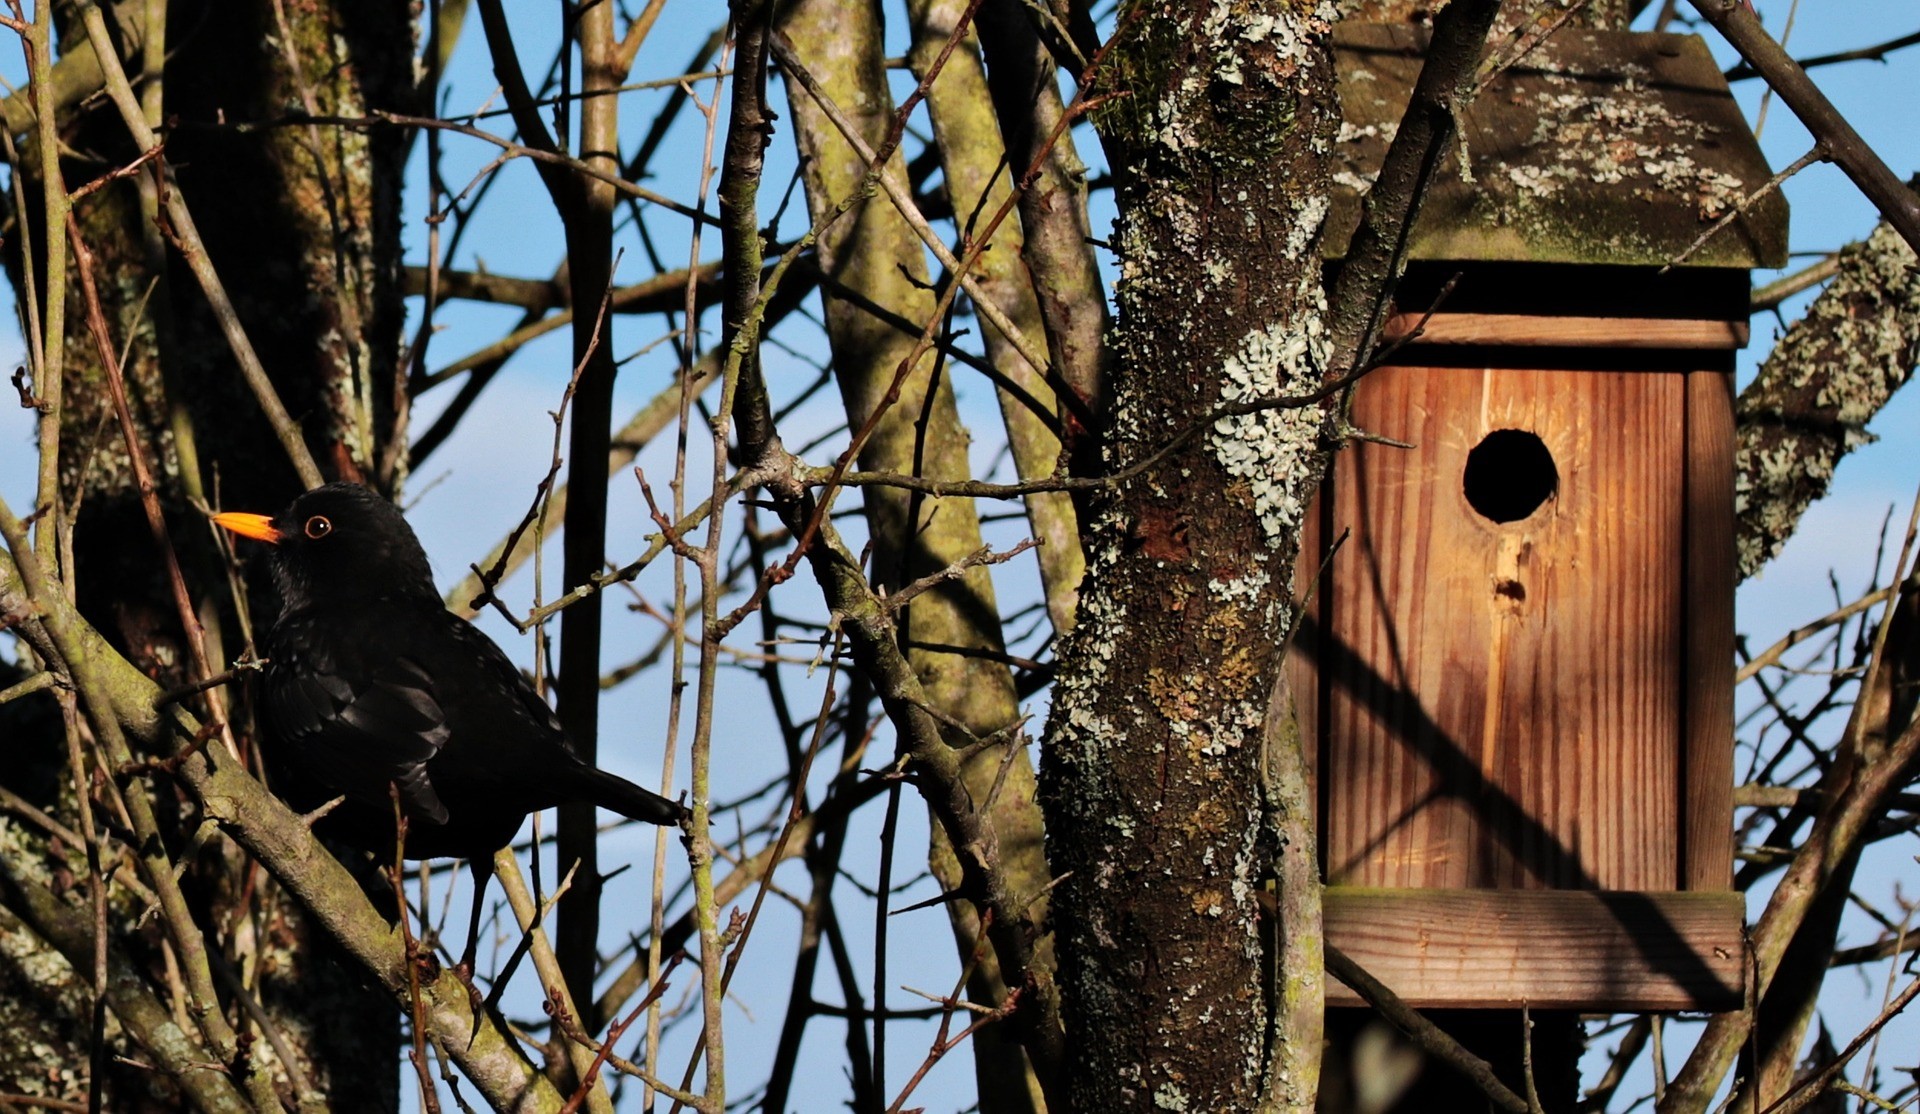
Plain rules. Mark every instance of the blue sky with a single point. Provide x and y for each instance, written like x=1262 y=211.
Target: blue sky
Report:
x=477 y=486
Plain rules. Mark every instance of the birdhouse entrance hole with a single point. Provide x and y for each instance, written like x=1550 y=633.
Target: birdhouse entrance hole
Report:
x=1509 y=475
x=1518 y=713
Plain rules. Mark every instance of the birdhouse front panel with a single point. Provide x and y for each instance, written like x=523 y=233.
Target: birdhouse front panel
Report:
x=1514 y=661
x=1513 y=670
x=1502 y=653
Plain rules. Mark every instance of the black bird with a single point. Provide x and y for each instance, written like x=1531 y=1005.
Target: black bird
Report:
x=373 y=687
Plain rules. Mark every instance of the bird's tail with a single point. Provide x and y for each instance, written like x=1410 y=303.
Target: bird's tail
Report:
x=617 y=794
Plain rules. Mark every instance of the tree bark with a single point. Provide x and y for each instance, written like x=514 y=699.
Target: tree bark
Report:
x=589 y=221
x=1153 y=770
x=1828 y=375
x=872 y=253
x=311 y=248
x=1056 y=246
x=975 y=164
x=978 y=184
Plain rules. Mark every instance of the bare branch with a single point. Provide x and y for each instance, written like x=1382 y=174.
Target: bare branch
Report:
x=1736 y=21
x=1876 y=53
x=1422 y=1032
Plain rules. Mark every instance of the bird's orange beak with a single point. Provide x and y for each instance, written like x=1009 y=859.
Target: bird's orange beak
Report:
x=256 y=526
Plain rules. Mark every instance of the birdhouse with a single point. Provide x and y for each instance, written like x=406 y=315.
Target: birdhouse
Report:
x=1514 y=669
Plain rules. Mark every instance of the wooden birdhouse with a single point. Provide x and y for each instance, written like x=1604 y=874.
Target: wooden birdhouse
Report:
x=1515 y=670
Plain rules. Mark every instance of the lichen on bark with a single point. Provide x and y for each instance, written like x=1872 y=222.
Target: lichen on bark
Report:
x=1810 y=402
x=1153 y=770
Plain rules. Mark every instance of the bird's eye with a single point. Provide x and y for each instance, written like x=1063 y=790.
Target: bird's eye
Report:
x=318 y=527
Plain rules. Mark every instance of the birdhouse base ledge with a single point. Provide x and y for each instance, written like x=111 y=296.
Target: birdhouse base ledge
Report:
x=1547 y=949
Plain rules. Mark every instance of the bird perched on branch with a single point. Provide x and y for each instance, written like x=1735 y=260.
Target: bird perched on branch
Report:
x=374 y=690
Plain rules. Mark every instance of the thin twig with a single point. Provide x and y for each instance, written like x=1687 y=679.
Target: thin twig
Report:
x=902 y=199
x=379 y=118
x=33 y=684
x=1779 y=290
x=952 y=1003
x=1772 y=654
x=530 y=917
x=1809 y=1088
x=1817 y=154
x=396 y=876
x=1736 y=20
x=979 y=558
x=1422 y=1032
x=148 y=488
x=1526 y=1059
x=241 y=668
x=1875 y=53
x=603 y=1050
x=187 y=239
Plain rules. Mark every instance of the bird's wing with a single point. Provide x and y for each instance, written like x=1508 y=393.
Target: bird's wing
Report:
x=524 y=743
x=360 y=730
x=542 y=737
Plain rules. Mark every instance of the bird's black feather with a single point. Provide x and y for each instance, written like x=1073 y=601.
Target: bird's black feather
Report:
x=371 y=686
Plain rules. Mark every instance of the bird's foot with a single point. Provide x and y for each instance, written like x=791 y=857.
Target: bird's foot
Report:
x=464 y=972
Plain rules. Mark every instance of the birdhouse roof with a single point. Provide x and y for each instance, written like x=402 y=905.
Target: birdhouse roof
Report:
x=1605 y=147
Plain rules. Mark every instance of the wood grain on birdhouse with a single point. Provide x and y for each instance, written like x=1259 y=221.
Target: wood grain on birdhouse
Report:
x=1513 y=664
x=1507 y=693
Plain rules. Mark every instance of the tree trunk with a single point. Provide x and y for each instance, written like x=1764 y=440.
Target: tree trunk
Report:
x=310 y=251
x=1154 y=767
x=873 y=256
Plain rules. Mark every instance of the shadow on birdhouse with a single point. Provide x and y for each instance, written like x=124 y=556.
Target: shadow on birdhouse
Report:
x=1516 y=672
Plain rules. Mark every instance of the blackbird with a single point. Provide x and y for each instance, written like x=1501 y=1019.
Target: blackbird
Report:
x=372 y=688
